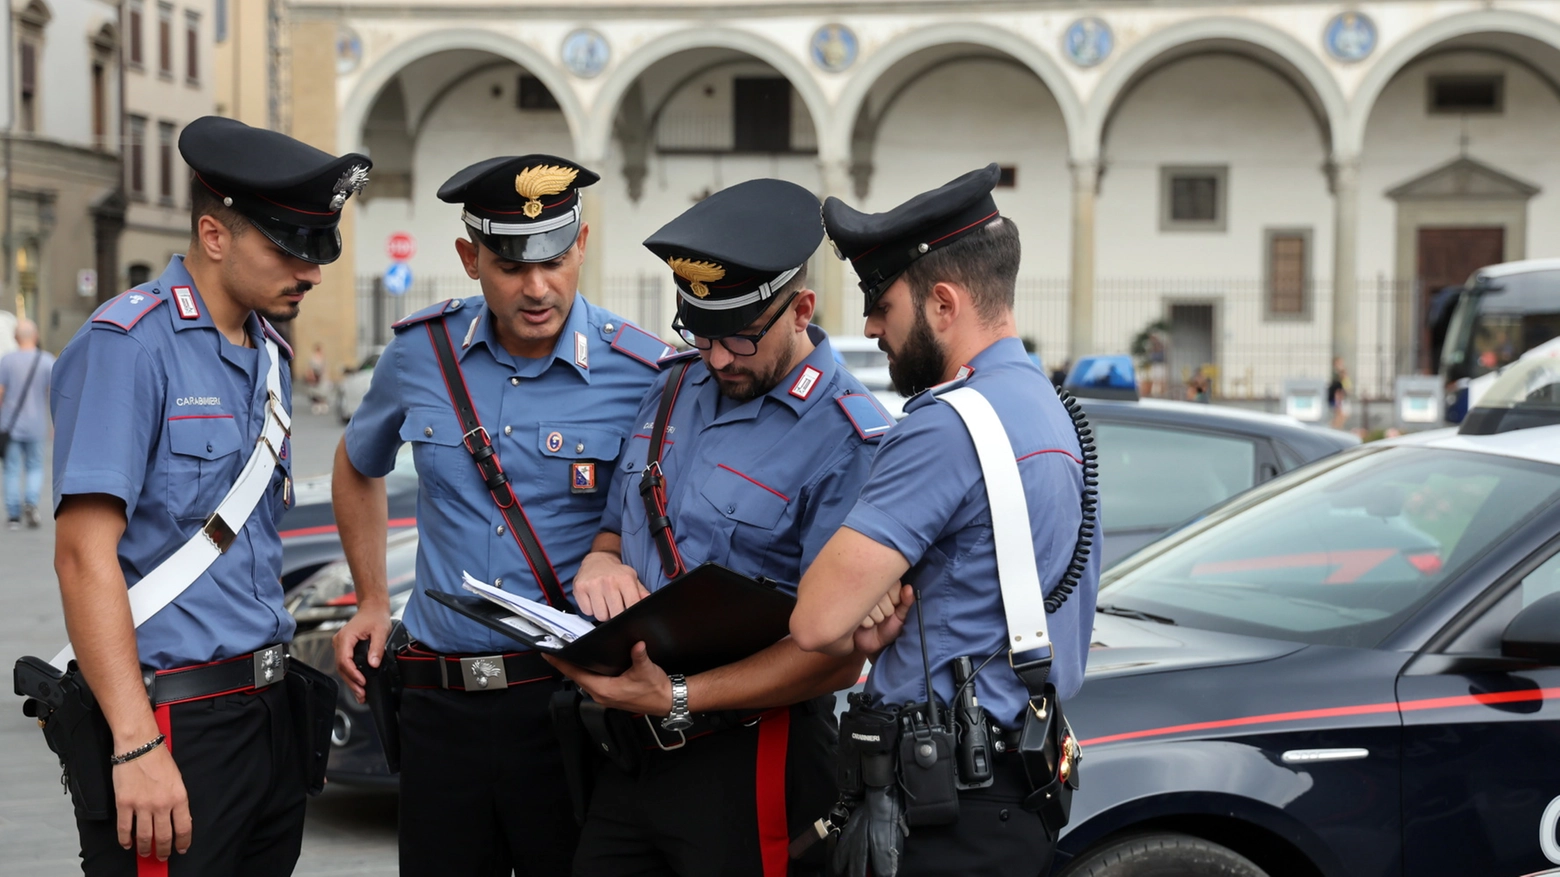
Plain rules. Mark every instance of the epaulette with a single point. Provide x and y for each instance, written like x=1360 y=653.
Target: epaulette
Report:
x=125 y=311
x=281 y=343
x=870 y=420
x=928 y=396
x=636 y=343
x=677 y=356
x=448 y=306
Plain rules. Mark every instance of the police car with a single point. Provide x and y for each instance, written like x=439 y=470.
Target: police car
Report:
x=308 y=529
x=1352 y=670
x=1161 y=463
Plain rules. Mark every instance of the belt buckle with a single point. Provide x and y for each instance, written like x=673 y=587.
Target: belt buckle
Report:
x=682 y=739
x=483 y=673
x=270 y=665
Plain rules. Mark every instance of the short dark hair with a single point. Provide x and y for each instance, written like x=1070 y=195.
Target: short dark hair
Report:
x=795 y=284
x=985 y=262
x=204 y=202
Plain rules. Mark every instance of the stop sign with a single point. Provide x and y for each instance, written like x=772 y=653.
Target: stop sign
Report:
x=401 y=246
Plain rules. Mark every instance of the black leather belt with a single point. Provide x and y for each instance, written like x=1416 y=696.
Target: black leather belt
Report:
x=652 y=736
x=424 y=669
x=239 y=675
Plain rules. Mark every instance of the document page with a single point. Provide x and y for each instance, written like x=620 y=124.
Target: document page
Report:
x=563 y=625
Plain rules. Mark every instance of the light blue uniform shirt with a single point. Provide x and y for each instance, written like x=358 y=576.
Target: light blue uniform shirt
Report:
x=544 y=416
x=758 y=486
x=154 y=406
x=926 y=499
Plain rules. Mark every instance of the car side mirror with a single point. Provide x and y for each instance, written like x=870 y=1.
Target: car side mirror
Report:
x=1535 y=633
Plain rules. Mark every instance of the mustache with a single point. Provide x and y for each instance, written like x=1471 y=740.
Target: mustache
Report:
x=300 y=288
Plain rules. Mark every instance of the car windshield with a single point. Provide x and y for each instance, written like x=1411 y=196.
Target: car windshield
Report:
x=1509 y=316
x=1337 y=553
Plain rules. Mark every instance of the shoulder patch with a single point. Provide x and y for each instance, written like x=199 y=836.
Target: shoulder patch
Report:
x=437 y=310
x=281 y=343
x=635 y=342
x=677 y=356
x=127 y=310
x=864 y=414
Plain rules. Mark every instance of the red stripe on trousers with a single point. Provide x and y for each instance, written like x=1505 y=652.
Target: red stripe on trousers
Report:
x=148 y=866
x=774 y=840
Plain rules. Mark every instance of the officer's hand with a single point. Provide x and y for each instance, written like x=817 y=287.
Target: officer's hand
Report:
x=370 y=624
x=605 y=585
x=885 y=607
x=643 y=688
x=874 y=638
x=154 y=810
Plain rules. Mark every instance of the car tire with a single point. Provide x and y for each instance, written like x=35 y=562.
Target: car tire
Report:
x=1162 y=855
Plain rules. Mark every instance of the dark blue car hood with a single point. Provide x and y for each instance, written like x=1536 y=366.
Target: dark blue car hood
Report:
x=1128 y=647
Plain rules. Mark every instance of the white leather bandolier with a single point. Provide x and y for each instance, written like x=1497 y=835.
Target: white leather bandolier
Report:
x=168 y=580
x=1023 y=600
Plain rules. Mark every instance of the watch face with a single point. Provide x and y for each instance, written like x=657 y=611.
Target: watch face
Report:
x=678 y=723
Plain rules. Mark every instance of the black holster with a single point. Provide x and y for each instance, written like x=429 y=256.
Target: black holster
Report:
x=1050 y=756
x=312 y=696
x=612 y=734
x=579 y=764
x=74 y=729
x=382 y=690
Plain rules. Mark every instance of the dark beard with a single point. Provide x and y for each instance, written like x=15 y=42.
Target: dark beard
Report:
x=285 y=311
x=920 y=363
x=759 y=384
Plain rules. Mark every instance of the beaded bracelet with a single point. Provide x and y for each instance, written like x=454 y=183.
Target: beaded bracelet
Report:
x=133 y=754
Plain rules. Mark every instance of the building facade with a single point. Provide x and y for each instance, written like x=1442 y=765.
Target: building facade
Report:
x=60 y=209
x=1269 y=185
x=169 y=81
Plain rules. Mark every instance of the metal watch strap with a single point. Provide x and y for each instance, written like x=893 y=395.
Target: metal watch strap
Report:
x=652 y=482
x=679 y=719
x=480 y=445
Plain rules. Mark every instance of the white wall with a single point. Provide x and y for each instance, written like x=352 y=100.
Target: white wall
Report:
x=1404 y=141
x=65 y=71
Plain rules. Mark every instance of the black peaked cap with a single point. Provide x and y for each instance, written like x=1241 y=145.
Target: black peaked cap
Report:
x=880 y=246
x=525 y=208
x=289 y=190
x=732 y=252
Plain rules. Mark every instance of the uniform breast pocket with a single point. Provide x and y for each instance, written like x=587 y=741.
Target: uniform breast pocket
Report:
x=202 y=463
x=576 y=460
x=443 y=463
x=750 y=508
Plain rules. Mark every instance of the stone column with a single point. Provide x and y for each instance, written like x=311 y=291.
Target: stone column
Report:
x=1080 y=320
x=1344 y=172
x=839 y=308
x=329 y=313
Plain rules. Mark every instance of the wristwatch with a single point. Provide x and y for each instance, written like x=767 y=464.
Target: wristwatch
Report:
x=679 y=719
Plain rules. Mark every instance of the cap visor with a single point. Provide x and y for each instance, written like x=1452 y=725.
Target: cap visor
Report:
x=710 y=324
x=320 y=246
x=543 y=247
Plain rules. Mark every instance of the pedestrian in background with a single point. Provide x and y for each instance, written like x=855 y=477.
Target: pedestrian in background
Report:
x=1338 y=394
x=319 y=383
x=24 y=423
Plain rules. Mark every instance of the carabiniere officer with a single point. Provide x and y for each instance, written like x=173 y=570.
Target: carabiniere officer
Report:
x=158 y=404
x=555 y=381
x=938 y=273
x=767 y=444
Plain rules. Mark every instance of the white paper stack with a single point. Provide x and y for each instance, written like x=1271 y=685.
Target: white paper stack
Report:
x=532 y=618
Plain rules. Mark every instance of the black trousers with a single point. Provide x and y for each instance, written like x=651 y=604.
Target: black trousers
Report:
x=244 y=776
x=994 y=836
x=725 y=805
x=482 y=785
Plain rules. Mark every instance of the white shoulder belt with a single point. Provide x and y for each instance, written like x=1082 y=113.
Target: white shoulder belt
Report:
x=168 y=580
x=1023 y=600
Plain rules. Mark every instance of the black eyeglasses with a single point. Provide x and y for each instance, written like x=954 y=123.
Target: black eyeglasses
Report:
x=738 y=344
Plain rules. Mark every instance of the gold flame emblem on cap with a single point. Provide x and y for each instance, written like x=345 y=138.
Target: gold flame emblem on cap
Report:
x=536 y=182
x=697 y=274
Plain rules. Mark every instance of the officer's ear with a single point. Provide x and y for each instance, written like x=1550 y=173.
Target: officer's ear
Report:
x=468 y=252
x=944 y=303
x=806 y=306
x=212 y=240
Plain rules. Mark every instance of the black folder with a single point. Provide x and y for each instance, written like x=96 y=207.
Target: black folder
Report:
x=707 y=617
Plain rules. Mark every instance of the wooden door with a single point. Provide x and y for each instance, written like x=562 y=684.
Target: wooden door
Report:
x=1447 y=257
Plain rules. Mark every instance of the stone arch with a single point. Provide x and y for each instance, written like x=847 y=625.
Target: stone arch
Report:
x=597 y=139
x=1409 y=49
x=354 y=111
x=1267 y=45
x=1026 y=53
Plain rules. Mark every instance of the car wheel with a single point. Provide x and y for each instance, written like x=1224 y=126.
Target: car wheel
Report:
x=1163 y=855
